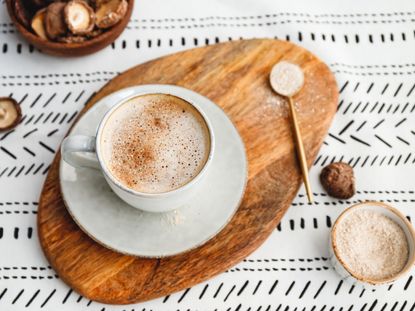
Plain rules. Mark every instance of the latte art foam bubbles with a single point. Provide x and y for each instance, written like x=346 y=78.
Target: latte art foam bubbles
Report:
x=155 y=143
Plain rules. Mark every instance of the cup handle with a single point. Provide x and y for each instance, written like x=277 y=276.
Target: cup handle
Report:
x=80 y=151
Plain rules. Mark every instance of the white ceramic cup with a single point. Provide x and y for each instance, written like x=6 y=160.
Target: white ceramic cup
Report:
x=86 y=152
x=340 y=266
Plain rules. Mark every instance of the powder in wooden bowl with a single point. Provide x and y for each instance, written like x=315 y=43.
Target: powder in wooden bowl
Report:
x=371 y=245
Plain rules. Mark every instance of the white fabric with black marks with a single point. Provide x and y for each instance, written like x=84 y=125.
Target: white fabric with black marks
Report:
x=369 y=45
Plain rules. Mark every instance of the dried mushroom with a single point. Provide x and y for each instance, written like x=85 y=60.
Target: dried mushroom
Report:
x=338 y=180
x=99 y=3
x=110 y=13
x=40 y=3
x=55 y=21
x=79 y=17
x=10 y=113
x=95 y=33
x=21 y=13
x=92 y=3
x=69 y=21
x=38 y=24
x=72 y=39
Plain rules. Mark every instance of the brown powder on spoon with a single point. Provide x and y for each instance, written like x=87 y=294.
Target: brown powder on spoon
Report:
x=371 y=245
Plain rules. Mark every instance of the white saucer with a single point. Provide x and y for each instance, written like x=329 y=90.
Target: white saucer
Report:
x=118 y=226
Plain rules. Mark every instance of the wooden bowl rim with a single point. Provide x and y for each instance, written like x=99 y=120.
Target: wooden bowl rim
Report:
x=36 y=40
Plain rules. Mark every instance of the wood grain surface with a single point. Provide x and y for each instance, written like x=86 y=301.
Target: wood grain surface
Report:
x=235 y=76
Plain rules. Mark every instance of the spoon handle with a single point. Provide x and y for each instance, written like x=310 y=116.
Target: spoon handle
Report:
x=300 y=151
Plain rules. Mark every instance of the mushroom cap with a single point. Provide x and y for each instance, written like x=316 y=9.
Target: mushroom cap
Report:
x=79 y=17
x=110 y=13
x=10 y=113
x=55 y=25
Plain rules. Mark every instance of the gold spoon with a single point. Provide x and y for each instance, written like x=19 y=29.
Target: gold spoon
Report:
x=287 y=79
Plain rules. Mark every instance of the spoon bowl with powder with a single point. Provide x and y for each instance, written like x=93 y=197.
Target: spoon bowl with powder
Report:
x=372 y=243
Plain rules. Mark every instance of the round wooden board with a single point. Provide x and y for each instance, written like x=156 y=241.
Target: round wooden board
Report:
x=235 y=76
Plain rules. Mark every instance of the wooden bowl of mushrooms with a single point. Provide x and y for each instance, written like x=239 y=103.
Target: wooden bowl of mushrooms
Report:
x=70 y=27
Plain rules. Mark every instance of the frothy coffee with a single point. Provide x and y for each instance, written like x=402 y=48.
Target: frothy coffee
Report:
x=155 y=143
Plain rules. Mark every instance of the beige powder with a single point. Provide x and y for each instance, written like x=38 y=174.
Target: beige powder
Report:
x=286 y=78
x=371 y=245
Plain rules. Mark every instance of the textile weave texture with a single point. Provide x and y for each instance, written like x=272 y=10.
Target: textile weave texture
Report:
x=370 y=47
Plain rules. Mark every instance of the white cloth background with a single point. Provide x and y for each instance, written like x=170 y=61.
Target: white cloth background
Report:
x=369 y=45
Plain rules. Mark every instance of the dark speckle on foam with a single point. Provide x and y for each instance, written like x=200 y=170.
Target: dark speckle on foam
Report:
x=155 y=143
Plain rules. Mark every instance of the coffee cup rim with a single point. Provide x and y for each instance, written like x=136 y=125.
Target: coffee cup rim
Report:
x=410 y=236
x=154 y=89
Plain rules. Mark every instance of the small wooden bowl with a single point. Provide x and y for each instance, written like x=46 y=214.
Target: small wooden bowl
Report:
x=72 y=49
x=341 y=267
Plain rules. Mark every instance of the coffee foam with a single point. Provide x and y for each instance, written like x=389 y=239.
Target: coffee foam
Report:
x=155 y=143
